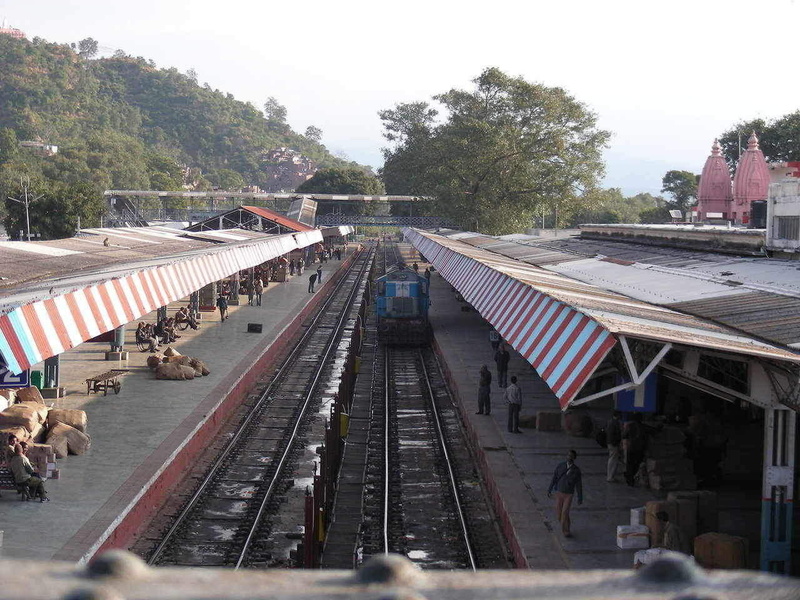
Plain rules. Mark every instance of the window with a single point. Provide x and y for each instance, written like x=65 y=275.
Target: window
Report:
x=788 y=228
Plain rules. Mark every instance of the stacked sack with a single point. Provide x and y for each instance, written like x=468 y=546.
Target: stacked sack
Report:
x=62 y=431
x=173 y=365
x=667 y=465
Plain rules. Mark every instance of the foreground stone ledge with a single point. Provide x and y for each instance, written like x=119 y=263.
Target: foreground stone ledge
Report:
x=119 y=575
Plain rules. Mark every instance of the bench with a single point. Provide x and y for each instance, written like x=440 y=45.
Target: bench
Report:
x=7 y=483
x=105 y=381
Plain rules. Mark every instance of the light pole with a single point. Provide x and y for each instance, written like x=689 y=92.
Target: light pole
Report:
x=25 y=183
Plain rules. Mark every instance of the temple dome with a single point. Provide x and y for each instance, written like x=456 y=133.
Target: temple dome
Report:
x=751 y=181
x=715 y=181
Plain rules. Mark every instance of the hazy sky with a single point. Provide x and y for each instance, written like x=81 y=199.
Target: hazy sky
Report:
x=664 y=77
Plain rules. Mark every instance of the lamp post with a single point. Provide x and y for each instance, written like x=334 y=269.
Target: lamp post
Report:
x=25 y=183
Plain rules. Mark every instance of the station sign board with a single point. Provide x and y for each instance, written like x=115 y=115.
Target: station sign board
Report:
x=9 y=380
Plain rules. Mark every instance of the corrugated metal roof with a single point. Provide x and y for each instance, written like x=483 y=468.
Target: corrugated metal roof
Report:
x=767 y=315
x=58 y=308
x=278 y=218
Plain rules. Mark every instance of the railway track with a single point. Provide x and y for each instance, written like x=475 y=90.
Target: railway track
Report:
x=234 y=517
x=421 y=496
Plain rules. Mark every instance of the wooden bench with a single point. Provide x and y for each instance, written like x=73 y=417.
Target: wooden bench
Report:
x=104 y=381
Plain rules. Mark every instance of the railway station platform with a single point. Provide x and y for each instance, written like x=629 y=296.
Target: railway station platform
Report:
x=148 y=424
x=518 y=468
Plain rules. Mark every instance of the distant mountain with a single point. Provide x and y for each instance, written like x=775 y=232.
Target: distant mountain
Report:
x=123 y=123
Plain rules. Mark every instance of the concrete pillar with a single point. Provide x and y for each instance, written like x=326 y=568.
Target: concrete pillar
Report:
x=117 y=351
x=194 y=303
x=161 y=313
x=778 y=489
x=52 y=377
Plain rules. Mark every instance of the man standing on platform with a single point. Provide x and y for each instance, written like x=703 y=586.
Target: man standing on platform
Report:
x=614 y=441
x=566 y=482
x=259 y=290
x=319 y=274
x=501 y=358
x=484 y=392
x=637 y=444
x=222 y=305
x=311 y=281
x=514 y=401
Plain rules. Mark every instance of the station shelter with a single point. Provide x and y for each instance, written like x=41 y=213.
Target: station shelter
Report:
x=564 y=306
x=60 y=293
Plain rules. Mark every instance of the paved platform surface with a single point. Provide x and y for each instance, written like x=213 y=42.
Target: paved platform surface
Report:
x=521 y=465
x=128 y=428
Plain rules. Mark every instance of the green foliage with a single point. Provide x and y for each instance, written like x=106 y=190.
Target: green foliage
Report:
x=505 y=149
x=342 y=181
x=349 y=181
x=659 y=214
x=274 y=111
x=779 y=139
x=121 y=123
x=87 y=48
x=610 y=206
x=682 y=186
x=56 y=211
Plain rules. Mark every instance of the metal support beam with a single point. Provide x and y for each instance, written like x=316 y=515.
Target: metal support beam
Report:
x=778 y=490
x=194 y=302
x=52 y=371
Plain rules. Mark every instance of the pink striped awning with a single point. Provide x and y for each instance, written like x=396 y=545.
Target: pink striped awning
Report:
x=563 y=344
x=36 y=330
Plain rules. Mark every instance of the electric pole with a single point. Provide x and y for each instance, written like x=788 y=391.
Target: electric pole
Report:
x=25 y=184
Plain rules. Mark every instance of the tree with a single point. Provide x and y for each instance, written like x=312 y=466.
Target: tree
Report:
x=9 y=145
x=314 y=133
x=505 y=149
x=349 y=181
x=56 y=213
x=682 y=185
x=226 y=179
x=87 y=48
x=659 y=214
x=778 y=139
x=274 y=111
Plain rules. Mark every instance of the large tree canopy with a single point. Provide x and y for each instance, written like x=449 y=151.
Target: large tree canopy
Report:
x=779 y=139
x=349 y=181
x=502 y=151
x=682 y=186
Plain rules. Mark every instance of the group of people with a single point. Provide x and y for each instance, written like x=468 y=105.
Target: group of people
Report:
x=164 y=331
x=567 y=479
x=25 y=476
x=635 y=437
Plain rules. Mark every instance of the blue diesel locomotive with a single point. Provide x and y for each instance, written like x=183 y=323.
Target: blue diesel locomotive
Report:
x=402 y=307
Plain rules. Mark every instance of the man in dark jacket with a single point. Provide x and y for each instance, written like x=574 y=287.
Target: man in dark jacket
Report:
x=484 y=397
x=566 y=482
x=311 y=281
x=614 y=441
x=501 y=358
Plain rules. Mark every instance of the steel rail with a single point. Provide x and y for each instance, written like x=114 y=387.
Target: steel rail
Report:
x=451 y=474
x=386 y=458
x=252 y=415
x=290 y=444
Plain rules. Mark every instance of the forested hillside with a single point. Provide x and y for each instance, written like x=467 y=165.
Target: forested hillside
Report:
x=123 y=123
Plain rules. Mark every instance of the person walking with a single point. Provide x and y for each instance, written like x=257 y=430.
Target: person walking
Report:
x=614 y=441
x=484 y=397
x=566 y=483
x=494 y=339
x=222 y=305
x=311 y=281
x=319 y=274
x=637 y=444
x=501 y=358
x=514 y=400
x=258 y=287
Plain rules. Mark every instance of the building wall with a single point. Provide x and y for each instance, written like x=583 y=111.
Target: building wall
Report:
x=783 y=216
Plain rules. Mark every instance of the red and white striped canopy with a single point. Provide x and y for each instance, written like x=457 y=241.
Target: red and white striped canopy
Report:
x=563 y=344
x=34 y=331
